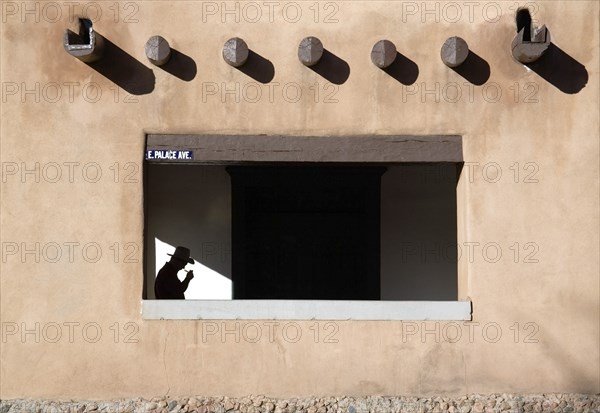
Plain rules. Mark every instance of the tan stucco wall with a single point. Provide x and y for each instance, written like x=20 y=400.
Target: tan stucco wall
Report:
x=558 y=132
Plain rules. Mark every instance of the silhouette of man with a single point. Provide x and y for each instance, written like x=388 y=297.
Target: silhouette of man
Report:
x=167 y=286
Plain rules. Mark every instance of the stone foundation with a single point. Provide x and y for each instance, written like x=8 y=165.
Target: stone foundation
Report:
x=475 y=403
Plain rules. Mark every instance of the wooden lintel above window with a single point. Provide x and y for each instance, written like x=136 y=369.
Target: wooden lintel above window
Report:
x=243 y=149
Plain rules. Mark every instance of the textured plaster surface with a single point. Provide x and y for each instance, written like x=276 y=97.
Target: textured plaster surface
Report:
x=556 y=131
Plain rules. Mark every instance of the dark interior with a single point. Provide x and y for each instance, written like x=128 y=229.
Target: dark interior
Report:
x=306 y=232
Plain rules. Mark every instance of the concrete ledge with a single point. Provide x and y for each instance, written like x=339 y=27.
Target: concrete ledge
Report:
x=304 y=310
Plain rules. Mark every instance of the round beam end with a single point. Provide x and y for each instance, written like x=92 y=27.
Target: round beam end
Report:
x=310 y=51
x=383 y=53
x=158 y=50
x=235 y=52
x=454 y=51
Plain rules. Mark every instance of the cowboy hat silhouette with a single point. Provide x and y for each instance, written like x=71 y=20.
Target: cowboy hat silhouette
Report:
x=183 y=254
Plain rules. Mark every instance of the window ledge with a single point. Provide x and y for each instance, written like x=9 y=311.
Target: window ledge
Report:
x=305 y=310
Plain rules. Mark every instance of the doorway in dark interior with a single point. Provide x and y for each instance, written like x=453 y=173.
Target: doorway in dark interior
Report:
x=310 y=232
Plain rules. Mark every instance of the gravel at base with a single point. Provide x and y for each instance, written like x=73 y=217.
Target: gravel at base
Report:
x=474 y=403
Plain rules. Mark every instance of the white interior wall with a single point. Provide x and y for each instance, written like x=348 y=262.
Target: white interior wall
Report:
x=418 y=232
x=190 y=206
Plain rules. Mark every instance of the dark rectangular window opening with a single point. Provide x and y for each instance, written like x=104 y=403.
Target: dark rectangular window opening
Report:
x=308 y=232
x=305 y=230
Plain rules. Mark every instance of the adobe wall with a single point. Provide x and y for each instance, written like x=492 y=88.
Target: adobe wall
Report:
x=81 y=131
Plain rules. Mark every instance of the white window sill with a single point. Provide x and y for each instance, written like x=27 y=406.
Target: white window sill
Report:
x=305 y=310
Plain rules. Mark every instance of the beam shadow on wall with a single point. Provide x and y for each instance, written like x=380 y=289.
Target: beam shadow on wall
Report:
x=180 y=65
x=561 y=70
x=332 y=68
x=474 y=69
x=258 y=68
x=124 y=70
x=403 y=70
